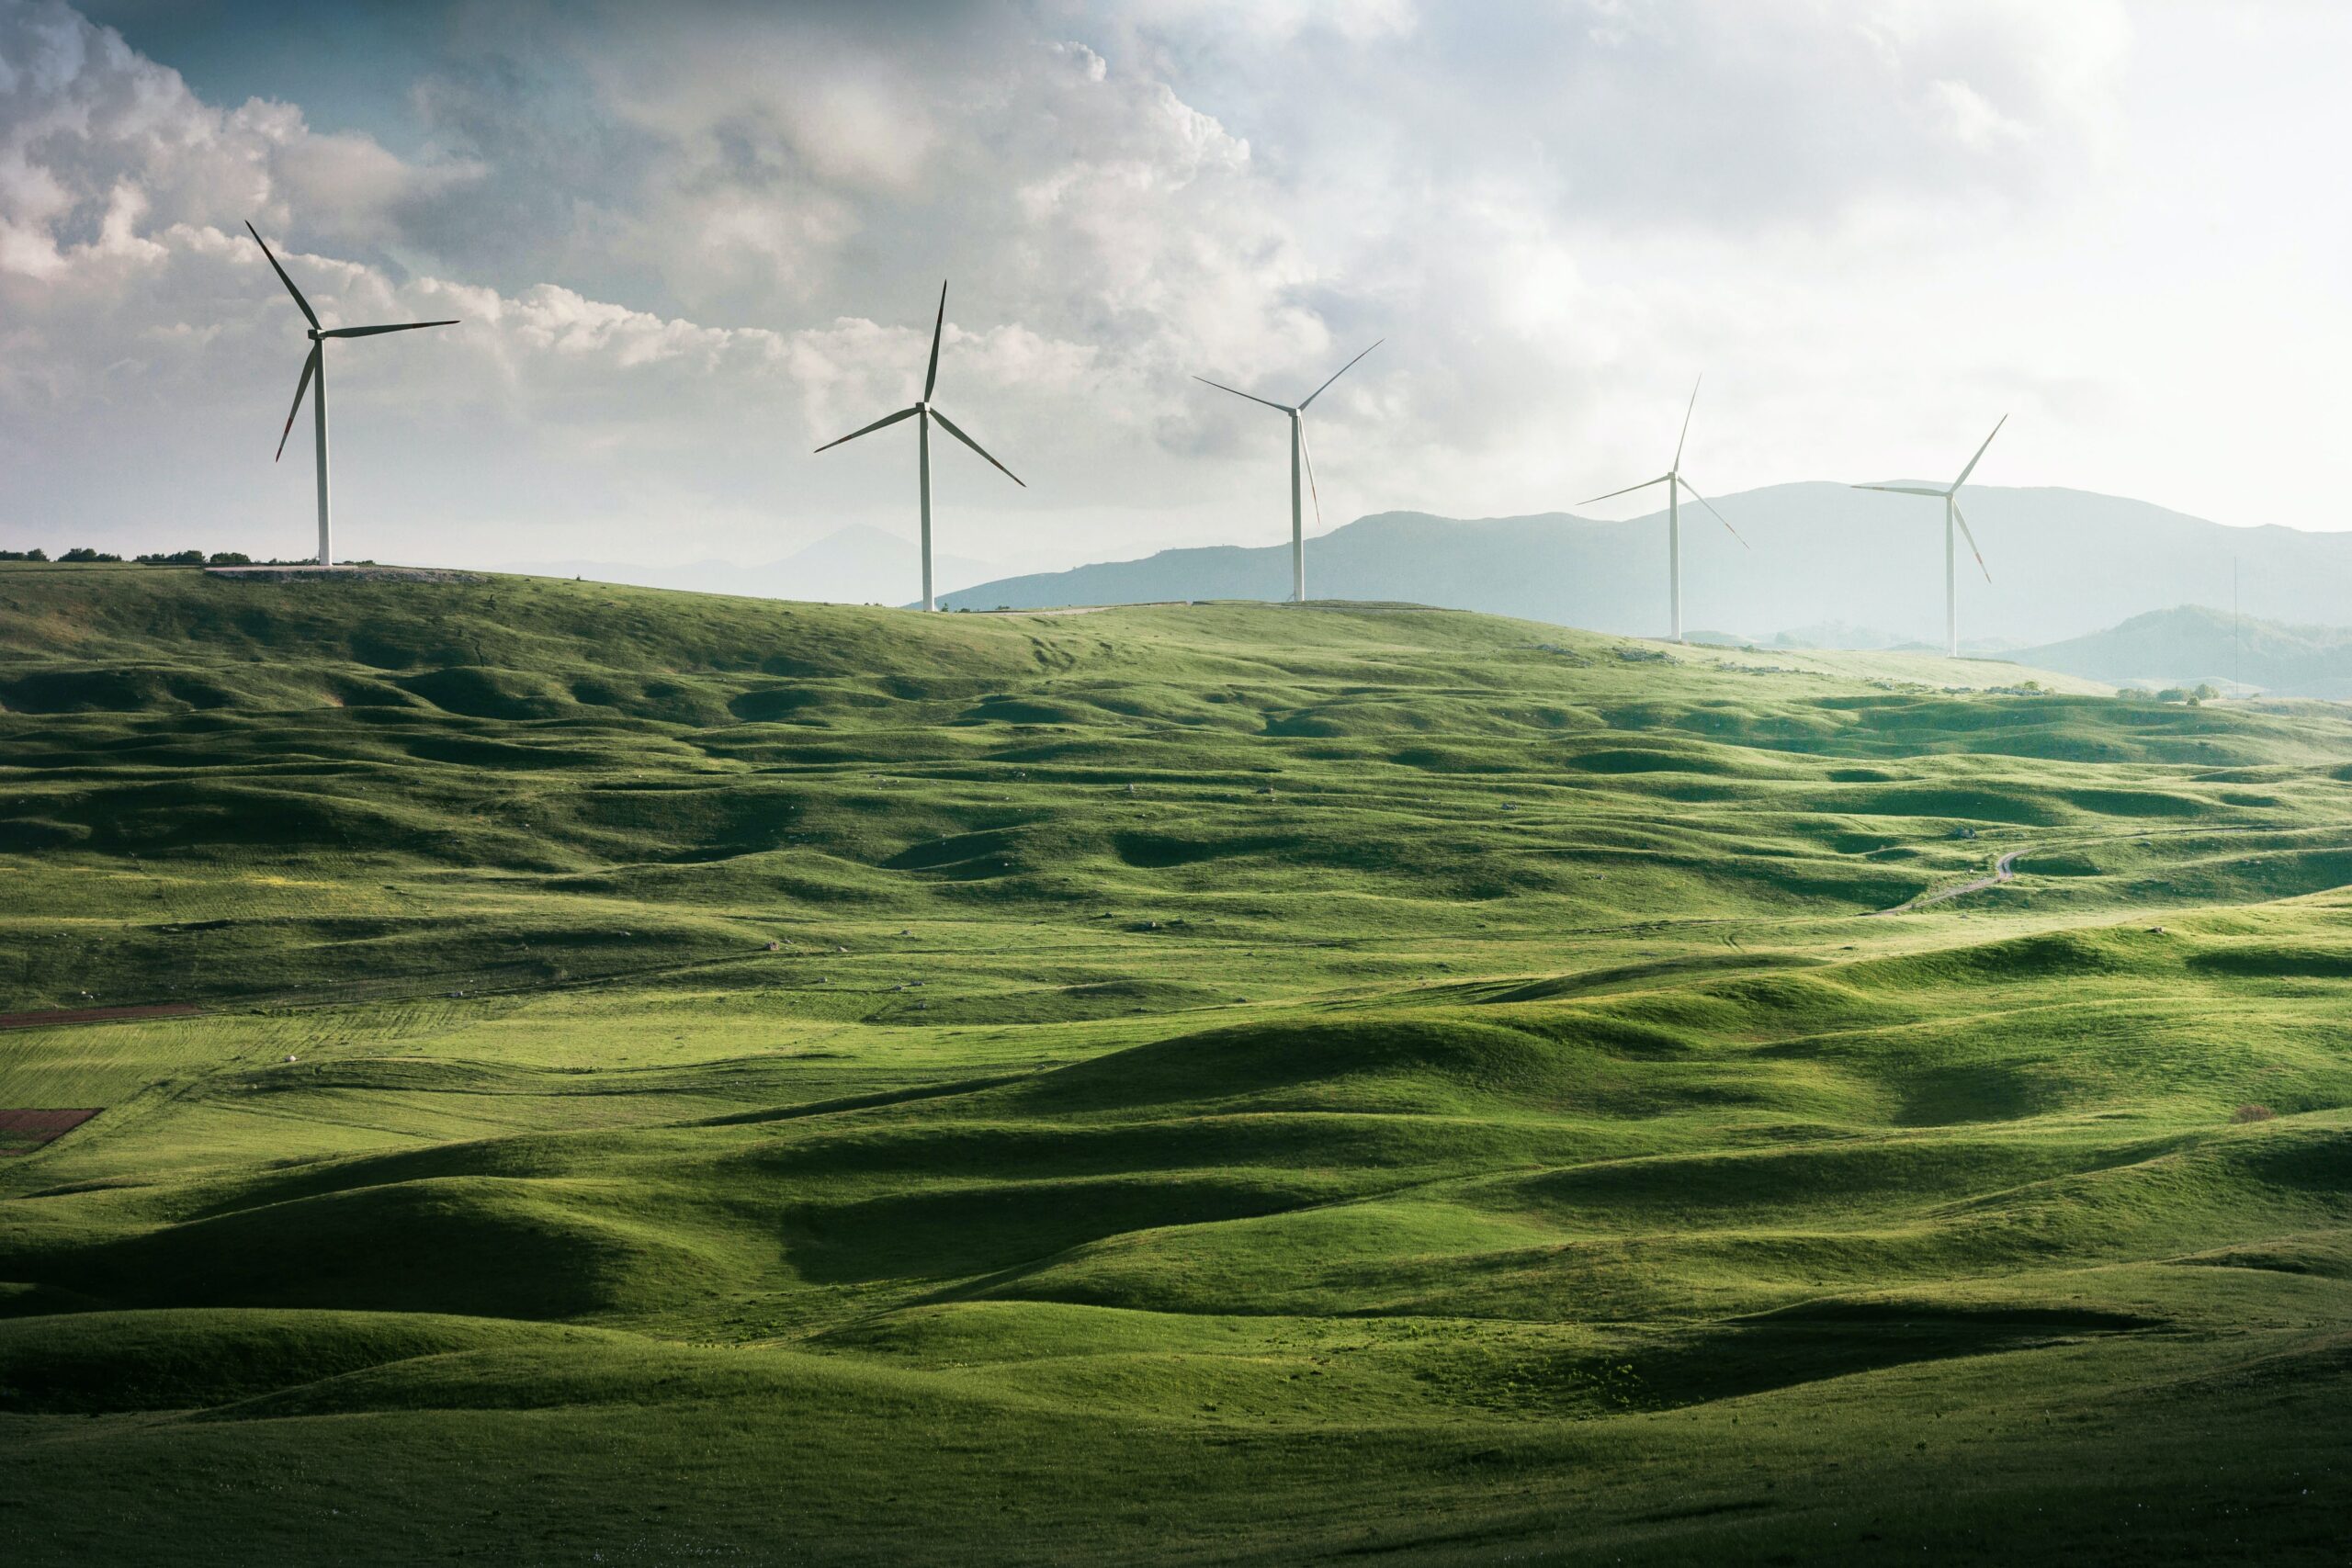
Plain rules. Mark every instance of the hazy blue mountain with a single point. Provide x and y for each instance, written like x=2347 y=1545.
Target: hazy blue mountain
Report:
x=2192 y=645
x=856 y=565
x=1825 y=559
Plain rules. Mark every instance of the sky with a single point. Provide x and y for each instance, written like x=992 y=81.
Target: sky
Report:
x=691 y=243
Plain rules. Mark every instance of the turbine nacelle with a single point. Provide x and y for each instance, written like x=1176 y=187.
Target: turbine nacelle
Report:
x=314 y=369
x=1675 y=485
x=1949 y=496
x=924 y=409
x=1953 y=519
x=1300 y=458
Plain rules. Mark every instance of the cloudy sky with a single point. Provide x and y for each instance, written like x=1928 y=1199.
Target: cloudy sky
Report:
x=691 y=243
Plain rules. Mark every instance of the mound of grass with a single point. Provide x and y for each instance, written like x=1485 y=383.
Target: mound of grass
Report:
x=678 y=1077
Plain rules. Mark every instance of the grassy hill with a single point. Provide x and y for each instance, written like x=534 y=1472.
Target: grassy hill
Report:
x=674 y=1078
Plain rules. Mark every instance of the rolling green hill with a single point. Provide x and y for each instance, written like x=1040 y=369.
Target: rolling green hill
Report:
x=632 y=1076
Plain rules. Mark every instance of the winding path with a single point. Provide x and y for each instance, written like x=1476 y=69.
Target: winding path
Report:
x=2004 y=869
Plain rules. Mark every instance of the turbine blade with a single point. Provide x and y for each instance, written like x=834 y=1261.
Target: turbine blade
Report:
x=1308 y=453
x=863 y=430
x=1628 y=489
x=931 y=376
x=1902 y=489
x=1980 y=453
x=1970 y=537
x=1239 y=393
x=949 y=425
x=1710 y=505
x=303 y=305
x=371 y=331
x=1337 y=374
x=1685 y=437
x=310 y=368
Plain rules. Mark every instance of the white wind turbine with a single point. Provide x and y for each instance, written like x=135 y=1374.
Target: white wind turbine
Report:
x=1299 y=457
x=924 y=413
x=315 y=367
x=1950 y=498
x=1675 y=485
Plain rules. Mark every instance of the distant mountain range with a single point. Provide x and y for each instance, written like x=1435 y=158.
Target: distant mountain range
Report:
x=2191 y=645
x=857 y=565
x=1827 y=560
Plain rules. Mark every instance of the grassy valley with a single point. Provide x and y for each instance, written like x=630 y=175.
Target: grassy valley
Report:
x=623 y=1075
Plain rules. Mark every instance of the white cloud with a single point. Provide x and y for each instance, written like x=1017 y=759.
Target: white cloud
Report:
x=87 y=126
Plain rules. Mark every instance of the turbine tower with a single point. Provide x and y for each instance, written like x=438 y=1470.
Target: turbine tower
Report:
x=1299 y=457
x=1952 y=516
x=924 y=413
x=1675 y=485
x=315 y=367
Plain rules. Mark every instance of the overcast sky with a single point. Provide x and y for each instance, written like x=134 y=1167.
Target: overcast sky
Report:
x=691 y=243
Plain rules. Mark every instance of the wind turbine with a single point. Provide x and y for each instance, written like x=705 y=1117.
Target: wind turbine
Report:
x=1951 y=517
x=1675 y=485
x=924 y=413
x=1298 y=456
x=315 y=366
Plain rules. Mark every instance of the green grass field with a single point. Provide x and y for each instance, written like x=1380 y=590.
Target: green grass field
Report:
x=680 y=1079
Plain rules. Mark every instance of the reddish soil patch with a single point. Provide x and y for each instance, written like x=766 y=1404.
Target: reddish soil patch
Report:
x=22 y=1132
x=93 y=1015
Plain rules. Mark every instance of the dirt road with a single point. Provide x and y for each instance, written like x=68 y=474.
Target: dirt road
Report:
x=2004 y=869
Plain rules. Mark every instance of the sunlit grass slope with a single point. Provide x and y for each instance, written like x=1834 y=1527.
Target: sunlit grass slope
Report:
x=683 y=1079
